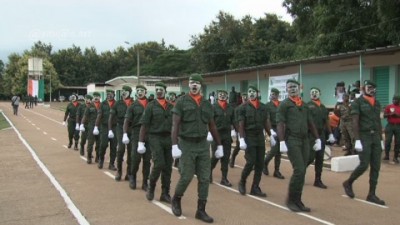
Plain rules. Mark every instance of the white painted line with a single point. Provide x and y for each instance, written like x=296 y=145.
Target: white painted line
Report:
x=8 y=128
x=45 y=133
x=367 y=202
x=45 y=117
x=71 y=206
x=33 y=124
x=166 y=208
x=37 y=128
x=84 y=158
x=109 y=174
x=53 y=139
x=65 y=146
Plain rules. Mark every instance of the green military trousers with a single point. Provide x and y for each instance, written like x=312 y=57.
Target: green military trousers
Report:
x=92 y=139
x=72 y=133
x=254 y=156
x=104 y=144
x=226 y=142
x=162 y=160
x=121 y=150
x=136 y=158
x=298 y=153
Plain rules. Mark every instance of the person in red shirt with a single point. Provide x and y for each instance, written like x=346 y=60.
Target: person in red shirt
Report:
x=392 y=114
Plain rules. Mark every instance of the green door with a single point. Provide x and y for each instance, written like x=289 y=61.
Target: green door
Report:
x=381 y=75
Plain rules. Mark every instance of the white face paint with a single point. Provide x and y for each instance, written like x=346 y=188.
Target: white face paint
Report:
x=126 y=94
x=73 y=98
x=88 y=101
x=140 y=93
x=222 y=96
x=96 y=98
x=172 y=98
x=110 y=95
x=292 y=89
x=160 y=92
x=370 y=90
x=273 y=96
x=252 y=94
x=314 y=94
x=194 y=87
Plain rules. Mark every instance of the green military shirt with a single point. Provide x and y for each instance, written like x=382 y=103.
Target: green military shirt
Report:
x=369 y=116
x=91 y=113
x=105 y=112
x=194 y=118
x=71 y=110
x=157 y=119
x=119 y=111
x=296 y=118
x=134 y=114
x=224 y=118
x=254 y=119
x=272 y=109
x=80 y=112
x=319 y=115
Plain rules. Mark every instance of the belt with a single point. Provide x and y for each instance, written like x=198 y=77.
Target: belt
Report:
x=193 y=139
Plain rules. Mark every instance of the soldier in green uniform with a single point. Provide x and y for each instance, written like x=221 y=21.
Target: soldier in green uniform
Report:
x=272 y=107
x=346 y=124
x=236 y=150
x=156 y=123
x=253 y=120
x=192 y=117
x=79 y=116
x=294 y=122
x=224 y=119
x=70 y=113
x=320 y=116
x=132 y=123
x=105 y=136
x=367 y=127
x=117 y=113
x=89 y=118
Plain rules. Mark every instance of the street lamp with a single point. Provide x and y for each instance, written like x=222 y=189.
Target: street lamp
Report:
x=138 y=62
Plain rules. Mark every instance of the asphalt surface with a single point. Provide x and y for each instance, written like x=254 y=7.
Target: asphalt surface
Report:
x=44 y=182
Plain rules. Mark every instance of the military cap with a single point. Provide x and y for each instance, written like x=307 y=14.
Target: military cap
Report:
x=196 y=77
x=222 y=91
x=161 y=84
x=292 y=81
x=110 y=90
x=276 y=91
x=369 y=82
x=126 y=88
x=172 y=93
x=141 y=86
x=315 y=89
x=88 y=97
x=254 y=87
x=96 y=93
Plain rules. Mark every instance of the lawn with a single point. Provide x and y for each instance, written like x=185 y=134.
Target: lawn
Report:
x=3 y=122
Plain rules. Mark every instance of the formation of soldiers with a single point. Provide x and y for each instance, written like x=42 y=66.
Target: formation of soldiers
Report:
x=187 y=127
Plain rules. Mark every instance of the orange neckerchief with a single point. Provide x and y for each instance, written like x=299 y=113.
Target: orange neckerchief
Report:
x=276 y=102
x=297 y=100
x=371 y=100
x=128 y=102
x=196 y=98
x=143 y=102
x=318 y=102
x=163 y=103
x=97 y=104
x=111 y=103
x=255 y=103
x=75 y=103
x=223 y=104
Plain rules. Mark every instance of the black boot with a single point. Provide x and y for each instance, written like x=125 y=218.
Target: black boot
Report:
x=301 y=205
x=165 y=197
x=373 y=198
x=119 y=171
x=396 y=157
x=225 y=182
x=201 y=212
x=150 y=191
x=76 y=146
x=318 y=182
x=126 y=177
x=82 y=150
x=89 y=159
x=348 y=188
x=291 y=203
x=70 y=144
x=265 y=170
x=96 y=160
x=242 y=187
x=145 y=185
x=176 y=205
x=112 y=167
x=100 y=165
x=278 y=174
x=256 y=191
x=132 y=182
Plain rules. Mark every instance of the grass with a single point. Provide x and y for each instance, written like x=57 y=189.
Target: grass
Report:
x=3 y=122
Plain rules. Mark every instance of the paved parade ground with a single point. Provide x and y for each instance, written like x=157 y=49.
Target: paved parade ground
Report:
x=43 y=182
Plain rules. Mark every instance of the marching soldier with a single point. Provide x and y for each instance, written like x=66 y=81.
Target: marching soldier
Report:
x=156 y=123
x=70 y=113
x=117 y=113
x=79 y=116
x=367 y=127
x=224 y=120
x=236 y=150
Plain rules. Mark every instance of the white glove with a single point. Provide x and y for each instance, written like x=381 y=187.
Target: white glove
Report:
x=176 y=152
x=125 y=139
x=77 y=126
x=383 y=145
x=242 y=144
x=96 y=130
x=141 y=149
x=331 y=139
x=358 y=146
x=209 y=137
x=110 y=134
x=63 y=123
x=273 y=133
x=220 y=152
x=273 y=141
x=82 y=127
x=282 y=147
x=233 y=133
x=317 y=146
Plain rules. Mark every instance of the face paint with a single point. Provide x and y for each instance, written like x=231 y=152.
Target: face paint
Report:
x=370 y=90
x=292 y=89
x=273 y=96
x=222 y=96
x=172 y=98
x=126 y=94
x=96 y=98
x=252 y=94
x=88 y=101
x=194 y=87
x=160 y=92
x=140 y=93
x=110 y=96
x=314 y=94
x=73 y=98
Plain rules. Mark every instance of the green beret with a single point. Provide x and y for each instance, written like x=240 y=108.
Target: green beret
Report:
x=152 y=95
x=96 y=93
x=141 y=86
x=396 y=97
x=88 y=97
x=292 y=81
x=315 y=88
x=126 y=88
x=254 y=87
x=196 y=77
x=369 y=82
x=276 y=91
x=172 y=93
x=110 y=90
x=161 y=84
x=222 y=91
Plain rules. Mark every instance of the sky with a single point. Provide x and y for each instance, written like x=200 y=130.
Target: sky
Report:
x=108 y=24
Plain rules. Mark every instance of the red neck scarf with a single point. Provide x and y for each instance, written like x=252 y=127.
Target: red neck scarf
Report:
x=196 y=98
x=318 y=102
x=297 y=100
x=128 y=102
x=97 y=104
x=111 y=103
x=276 y=102
x=143 y=102
x=223 y=104
x=75 y=103
x=255 y=103
x=371 y=100
x=163 y=103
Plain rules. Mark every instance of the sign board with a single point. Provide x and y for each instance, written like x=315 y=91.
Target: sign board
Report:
x=279 y=82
